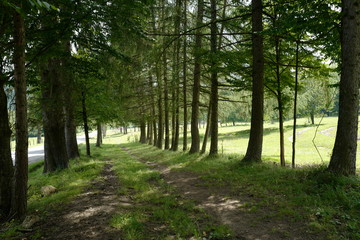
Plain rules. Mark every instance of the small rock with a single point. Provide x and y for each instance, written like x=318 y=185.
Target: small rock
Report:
x=30 y=221
x=48 y=190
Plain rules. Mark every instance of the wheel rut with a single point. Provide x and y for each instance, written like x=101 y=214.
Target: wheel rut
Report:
x=228 y=208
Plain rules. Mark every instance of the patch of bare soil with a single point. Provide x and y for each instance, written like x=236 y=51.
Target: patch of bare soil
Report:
x=328 y=132
x=88 y=215
x=298 y=134
x=231 y=209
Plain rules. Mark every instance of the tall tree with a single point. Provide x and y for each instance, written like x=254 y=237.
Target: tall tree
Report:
x=254 y=149
x=184 y=79
x=343 y=158
x=69 y=106
x=214 y=81
x=85 y=122
x=6 y=170
x=56 y=156
x=19 y=201
x=195 y=136
x=176 y=79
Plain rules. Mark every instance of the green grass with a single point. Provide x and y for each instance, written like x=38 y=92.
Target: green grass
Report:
x=233 y=140
x=69 y=183
x=157 y=210
x=328 y=204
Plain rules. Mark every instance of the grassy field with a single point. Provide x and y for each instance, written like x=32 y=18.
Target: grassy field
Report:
x=313 y=145
x=326 y=204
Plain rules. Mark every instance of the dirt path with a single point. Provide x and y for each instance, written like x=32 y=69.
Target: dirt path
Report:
x=88 y=215
x=328 y=132
x=231 y=210
x=298 y=134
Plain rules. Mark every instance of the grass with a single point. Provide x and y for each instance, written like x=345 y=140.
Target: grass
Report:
x=328 y=204
x=69 y=183
x=233 y=140
x=157 y=211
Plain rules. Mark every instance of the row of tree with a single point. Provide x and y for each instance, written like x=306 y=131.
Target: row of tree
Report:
x=159 y=63
x=66 y=46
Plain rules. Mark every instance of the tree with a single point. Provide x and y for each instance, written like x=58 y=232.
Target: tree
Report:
x=195 y=136
x=6 y=170
x=254 y=150
x=19 y=201
x=214 y=82
x=184 y=80
x=343 y=159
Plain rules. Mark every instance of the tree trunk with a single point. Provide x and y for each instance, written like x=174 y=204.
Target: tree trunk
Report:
x=312 y=117
x=99 y=135
x=6 y=169
x=85 y=120
x=343 y=158
x=176 y=79
x=280 y=102
x=143 y=132
x=214 y=82
x=69 y=105
x=150 y=132
x=254 y=149
x=153 y=114
x=19 y=201
x=39 y=131
x=184 y=80
x=53 y=116
x=195 y=137
x=206 y=135
x=160 y=112
x=166 y=104
x=295 y=104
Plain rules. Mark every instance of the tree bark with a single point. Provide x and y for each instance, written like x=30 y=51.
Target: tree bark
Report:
x=56 y=156
x=214 y=82
x=206 y=135
x=69 y=105
x=280 y=102
x=295 y=104
x=184 y=80
x=160 y=135
x=343 y=159
x=19 y=201
x=98 y=135
x=143 y=132
x=176 y=79
x=149 y=132
x=86 y=126
x=195 y=137
x=6 y=169
x=153 y=113
x=39 y=131
x=254 y=149
x=312 y=117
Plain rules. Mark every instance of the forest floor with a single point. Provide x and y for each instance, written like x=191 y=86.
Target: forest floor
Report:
x=89 y=215
x=230 y=210
x=134 y=191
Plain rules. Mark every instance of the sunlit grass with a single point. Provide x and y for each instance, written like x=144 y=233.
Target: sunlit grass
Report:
x=326 y=203
x=313 y=145
x=157 y=211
